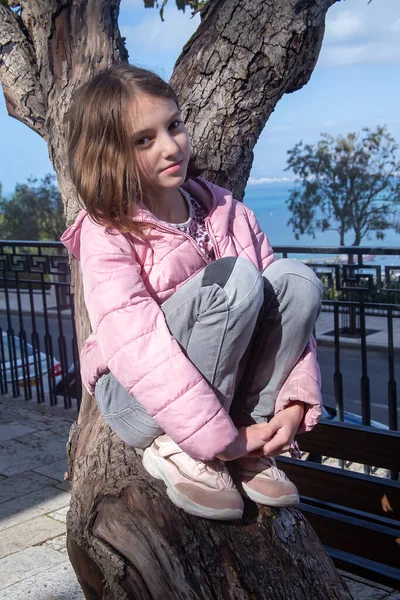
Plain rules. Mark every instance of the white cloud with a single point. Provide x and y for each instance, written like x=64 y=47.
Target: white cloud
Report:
x=345 y=25
x=362 y=54
x=346 y=55
x=367 y=34
x=396 y=26
x=152 y=35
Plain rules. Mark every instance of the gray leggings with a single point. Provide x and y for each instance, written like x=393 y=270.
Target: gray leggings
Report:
x=243 y=330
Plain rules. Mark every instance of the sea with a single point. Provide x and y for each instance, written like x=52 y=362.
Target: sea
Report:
x=268 y=202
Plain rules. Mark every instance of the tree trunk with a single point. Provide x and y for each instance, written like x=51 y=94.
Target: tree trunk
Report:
x=125 y=539
x=233 y=71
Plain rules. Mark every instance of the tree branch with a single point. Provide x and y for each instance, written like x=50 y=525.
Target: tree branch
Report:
x=19 y=74
x=232 y=72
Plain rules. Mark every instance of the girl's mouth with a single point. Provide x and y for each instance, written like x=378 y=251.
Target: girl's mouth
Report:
x=173 y=168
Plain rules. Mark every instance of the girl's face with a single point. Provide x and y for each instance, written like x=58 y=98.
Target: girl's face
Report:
x=161 y=142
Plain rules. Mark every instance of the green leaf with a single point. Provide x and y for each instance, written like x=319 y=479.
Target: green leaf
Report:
x=195 y=5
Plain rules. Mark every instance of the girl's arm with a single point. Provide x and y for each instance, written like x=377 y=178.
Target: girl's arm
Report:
x=298 y=406
x=138 y=348
x=304 y=385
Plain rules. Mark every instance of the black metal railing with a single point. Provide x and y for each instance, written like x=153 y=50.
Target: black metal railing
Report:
x=364 y=303
x=38 y=348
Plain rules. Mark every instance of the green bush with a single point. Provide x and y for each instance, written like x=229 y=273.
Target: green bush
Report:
x=375 y=295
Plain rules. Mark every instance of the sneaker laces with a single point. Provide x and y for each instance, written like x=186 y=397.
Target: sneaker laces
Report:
x=215 y=465
x=271 y=466
x=219 y=467
x=210 y=465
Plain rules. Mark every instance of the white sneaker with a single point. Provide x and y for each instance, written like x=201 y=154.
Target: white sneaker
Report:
x=262 y=481
x=202 y=489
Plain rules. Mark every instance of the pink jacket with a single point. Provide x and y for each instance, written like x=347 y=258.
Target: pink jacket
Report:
x=125 y=281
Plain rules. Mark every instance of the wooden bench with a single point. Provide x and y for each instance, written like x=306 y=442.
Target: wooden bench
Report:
x=356 y=516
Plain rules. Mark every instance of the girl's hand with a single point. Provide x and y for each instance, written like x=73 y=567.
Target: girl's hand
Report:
x=282 y=429
x=249 y=439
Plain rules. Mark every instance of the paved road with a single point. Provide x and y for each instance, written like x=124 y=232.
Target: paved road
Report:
x=350 y=367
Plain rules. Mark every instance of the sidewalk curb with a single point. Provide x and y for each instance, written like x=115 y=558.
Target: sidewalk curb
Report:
x=356 y=345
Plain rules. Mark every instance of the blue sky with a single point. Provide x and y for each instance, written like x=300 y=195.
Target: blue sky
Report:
x=355 y=84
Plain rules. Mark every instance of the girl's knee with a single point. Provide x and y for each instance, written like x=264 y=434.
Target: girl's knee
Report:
x=245 y=287
x=240 y=281
x=296 y=279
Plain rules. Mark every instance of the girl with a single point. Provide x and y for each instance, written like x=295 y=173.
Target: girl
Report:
x=200 y=336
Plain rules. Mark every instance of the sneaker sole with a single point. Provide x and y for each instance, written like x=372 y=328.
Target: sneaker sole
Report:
x=154 y=466
x=282 y=501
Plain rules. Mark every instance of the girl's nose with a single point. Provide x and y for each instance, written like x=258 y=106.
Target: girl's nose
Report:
x=169 y=145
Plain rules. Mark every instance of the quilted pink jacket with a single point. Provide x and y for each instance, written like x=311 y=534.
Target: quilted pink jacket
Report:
x=125 y=281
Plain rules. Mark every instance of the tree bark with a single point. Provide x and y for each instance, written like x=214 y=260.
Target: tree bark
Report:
x=233 y=71
x=125 y=539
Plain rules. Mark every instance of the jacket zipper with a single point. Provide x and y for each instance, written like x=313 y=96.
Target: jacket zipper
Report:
x=212 y=236
x=175 y=230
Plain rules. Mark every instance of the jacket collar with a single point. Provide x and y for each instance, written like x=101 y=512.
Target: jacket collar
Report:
x=198 y=188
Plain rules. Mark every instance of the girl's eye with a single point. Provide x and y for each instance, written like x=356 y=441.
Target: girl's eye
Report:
x=145 y=141
x=142 y=141
x=175 y=124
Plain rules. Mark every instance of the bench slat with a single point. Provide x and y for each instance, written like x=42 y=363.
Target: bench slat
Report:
x=365 y=445
x=354 y=490
x=353 y=535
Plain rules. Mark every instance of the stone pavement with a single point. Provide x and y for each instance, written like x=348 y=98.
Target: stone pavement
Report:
x=34 y=500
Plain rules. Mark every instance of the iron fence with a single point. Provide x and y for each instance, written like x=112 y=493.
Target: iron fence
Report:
x=38 y=347
x=362 y=295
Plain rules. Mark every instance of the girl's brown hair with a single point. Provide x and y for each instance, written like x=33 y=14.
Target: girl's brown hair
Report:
x=101 y=161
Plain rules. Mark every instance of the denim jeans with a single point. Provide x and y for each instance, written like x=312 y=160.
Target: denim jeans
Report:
x=244 y=331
